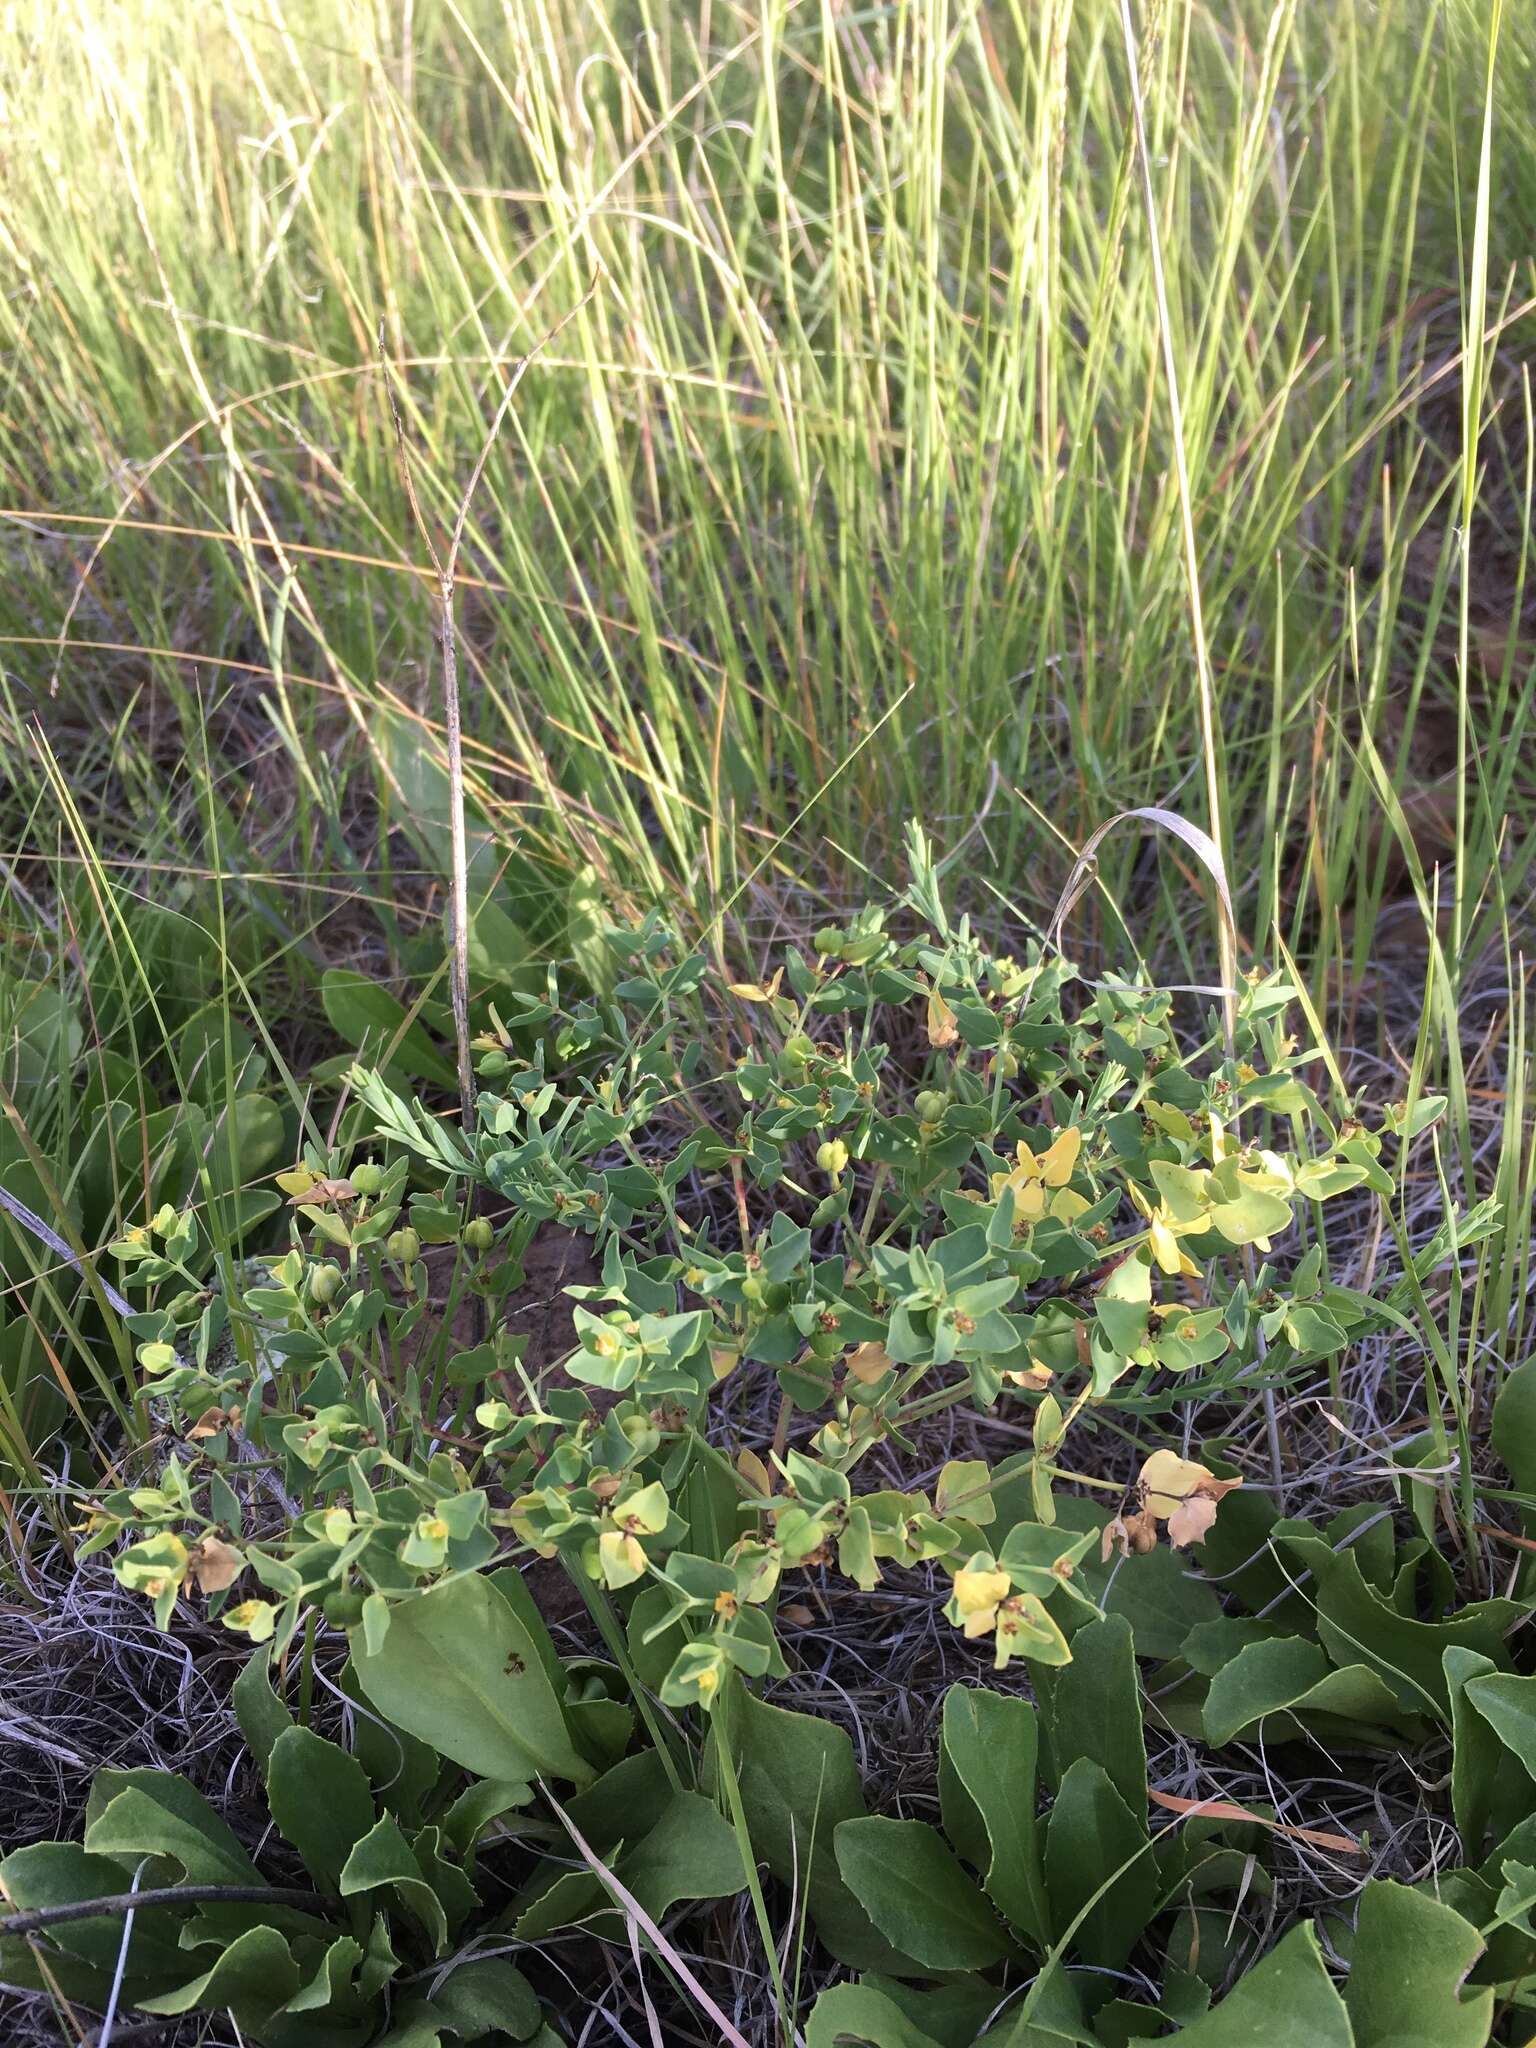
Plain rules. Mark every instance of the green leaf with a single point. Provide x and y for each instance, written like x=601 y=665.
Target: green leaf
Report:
x=691 y=1853
x=157 y=1814
x=320 y=1799
x=1314 y=1331
x=455 y=1894
x=247 y=1138
x=1097 y=1857
x=332 y=1979
x=1253 y=1215
x=63 y=1874
x=858 y=2013
x=917 y=1894
x=1161 y=1593
x=1354 y=1621
x=260 y=1713
x=799 y=1781
x=987 y=1788
x=586 y=923
x=1412 y=1956
x=374 y=1024
x=383 y=1861
x=1514 y=1427
x=481 y=1802
x=1490 y=1791
x=1270 y=1682
x=460 y=1671
x=252 y=1978
x=1092 y=1708
x=1286 y=2001
x=486 y=1996
x=1508 y=1705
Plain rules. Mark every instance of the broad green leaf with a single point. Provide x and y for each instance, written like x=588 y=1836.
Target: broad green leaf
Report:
x=331 y=1982
x=374 y=1024
x=482 y=1801
x=626 y=1802
x=455 y=1894
x=486 y=1996
x=691 y=1853
x=62 y=1874
x=402 y=1769
x=1411 y=1959
x=459 y=1670
x=253 y=1977
x=988 y=1790
x=1514 y=1427
x=1051 y=2016
x=1097 y=1857
x=321 y=1800
x=40 y=1031
x=500 y=951
x=586 y=923
x=247 y=1138
x=1269 y=1682
x=1490 y=1790
x=858 y=2013
x=261 y=1714
x=24 y=1961
x=798 y=1781
x=384 y=1861
x=157 y=1814
x=1286 y=2001
x=1508 y=1705
x=513 y=1587
x=917 y=1894
x=1162 y=1593
x=569 y=1898
x=1356 y=1624
x=1092 y=1708
x=1252 y=1216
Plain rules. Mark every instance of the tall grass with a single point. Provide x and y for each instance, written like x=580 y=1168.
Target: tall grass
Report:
x=848 y=492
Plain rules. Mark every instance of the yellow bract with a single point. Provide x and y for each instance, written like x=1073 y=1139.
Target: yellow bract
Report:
x=621 y=1557
x=978 y=1589
x=1031 y=1177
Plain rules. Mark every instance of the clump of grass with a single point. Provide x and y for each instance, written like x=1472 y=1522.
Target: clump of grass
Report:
x=847 y=493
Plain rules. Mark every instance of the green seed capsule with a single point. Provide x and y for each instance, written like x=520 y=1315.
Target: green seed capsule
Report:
x=931 y=1105
x=343 y=1610
x=752 y=1289
x=367 y=1178
x=325 y=1284
x=827 y=940
x=832 y=1156
x=479 y=1235
x=404 y=1245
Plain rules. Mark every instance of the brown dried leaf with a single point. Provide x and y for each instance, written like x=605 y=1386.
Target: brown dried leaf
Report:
x=1191 y=1520
x=321 y=1194
x=1227 y=1809
x=215 y=1565
x=210 y=1422
x=867 y=1363
x=1126 y=1533
x=942 y=1028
